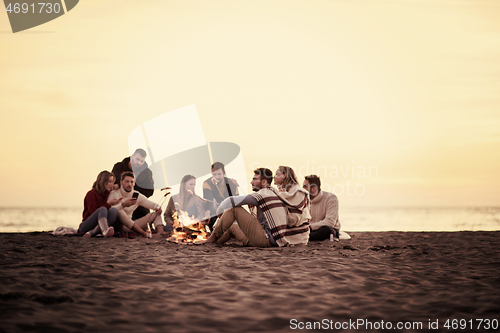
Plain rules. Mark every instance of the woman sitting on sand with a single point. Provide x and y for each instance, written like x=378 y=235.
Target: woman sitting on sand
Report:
x=98 y=216
x=293 y=196
x=285 y=178
x=186 y=201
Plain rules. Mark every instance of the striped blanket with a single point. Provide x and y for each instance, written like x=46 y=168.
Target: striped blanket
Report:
x=287 y=214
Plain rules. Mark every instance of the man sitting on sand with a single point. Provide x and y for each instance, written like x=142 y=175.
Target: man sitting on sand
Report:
x=127 y=205
x=219 y=187
x=272 y=224
x=324 y=210
x=144 y=177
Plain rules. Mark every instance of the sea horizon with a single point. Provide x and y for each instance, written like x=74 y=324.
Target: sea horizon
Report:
x=352 y=218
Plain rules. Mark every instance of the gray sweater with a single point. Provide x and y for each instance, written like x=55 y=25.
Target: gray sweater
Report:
x=325 y=211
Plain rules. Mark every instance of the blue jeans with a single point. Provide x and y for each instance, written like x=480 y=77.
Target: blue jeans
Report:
x=93 y=220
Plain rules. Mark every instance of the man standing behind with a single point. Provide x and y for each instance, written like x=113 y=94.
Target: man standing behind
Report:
x=144 y=177
x=324 y=210
x=218 y=187
x=128 y=204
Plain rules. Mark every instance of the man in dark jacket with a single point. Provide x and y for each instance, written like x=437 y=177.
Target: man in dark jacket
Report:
x=218 y=187
x=144 y=177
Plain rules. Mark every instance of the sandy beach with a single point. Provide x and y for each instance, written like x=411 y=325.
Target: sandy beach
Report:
x=71 y=284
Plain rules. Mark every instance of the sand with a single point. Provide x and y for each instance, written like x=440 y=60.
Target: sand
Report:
x=71 y=284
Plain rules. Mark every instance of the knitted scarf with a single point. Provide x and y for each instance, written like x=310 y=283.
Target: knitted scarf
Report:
x=287 y=214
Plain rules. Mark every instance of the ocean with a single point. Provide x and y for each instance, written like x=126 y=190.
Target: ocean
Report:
x=351 y=219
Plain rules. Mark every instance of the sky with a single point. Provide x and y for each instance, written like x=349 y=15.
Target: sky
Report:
x=391 y=103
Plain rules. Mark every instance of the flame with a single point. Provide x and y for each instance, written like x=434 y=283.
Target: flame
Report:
x=187 y=229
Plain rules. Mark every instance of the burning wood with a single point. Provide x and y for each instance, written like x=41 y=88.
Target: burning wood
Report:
x=187 y=229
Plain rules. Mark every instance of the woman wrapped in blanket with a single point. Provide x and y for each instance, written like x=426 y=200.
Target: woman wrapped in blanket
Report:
x=295 y=198
x=98 y=216
x=186 y=201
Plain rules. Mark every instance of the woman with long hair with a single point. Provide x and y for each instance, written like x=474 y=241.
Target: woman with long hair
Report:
x=285 y=178
x=98 y=216
x=186 y=201
x=295 y=198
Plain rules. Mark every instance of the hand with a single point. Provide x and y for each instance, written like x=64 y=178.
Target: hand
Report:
x=214 y=181
x=116 y=186
x=129 y=202
x=158 y=211
x=114 y=202
x=147 y=234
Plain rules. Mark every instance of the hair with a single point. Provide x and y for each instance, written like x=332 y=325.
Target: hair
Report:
x=265 y=174
x=127 y=174
x=314 y=181
x=141 y=152
x=290 y=178
x=217 y=166
x=184 y=197
x=102 y=178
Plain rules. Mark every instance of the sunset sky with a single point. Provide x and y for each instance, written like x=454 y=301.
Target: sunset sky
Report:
x=408 y=88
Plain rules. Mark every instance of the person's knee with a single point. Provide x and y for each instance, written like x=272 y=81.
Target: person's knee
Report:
x=326 y=230
x=239 y=211
x=321 y=233
x=102 y=211
x=112 y=215
x=157 y=222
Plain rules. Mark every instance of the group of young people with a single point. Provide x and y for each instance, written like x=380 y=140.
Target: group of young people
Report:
x=281 y=215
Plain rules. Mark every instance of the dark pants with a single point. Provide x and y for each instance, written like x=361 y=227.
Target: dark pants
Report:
x=93 y=220
x=323 y=233
x=140 y=212
x=212 y=222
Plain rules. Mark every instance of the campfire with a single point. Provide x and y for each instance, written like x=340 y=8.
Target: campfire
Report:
x=187 y=229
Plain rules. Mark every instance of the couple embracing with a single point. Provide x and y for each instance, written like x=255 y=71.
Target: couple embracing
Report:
x=276 y=218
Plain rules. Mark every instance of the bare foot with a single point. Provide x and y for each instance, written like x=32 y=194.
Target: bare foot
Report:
x=110 y=232
x=211 y=239
x=87 y=235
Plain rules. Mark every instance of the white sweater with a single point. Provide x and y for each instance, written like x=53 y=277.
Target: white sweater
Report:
x=125 y=213
x=325 y=211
